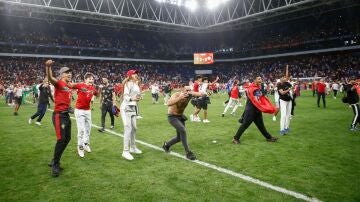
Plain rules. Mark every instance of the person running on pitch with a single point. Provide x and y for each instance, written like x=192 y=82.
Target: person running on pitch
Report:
x=234 y=99
x=176 y=107
x=45 y=94
x=256 y=104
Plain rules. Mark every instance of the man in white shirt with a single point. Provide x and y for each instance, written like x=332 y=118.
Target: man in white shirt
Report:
x=155 y=92
x=18 y=91
x=335 y=87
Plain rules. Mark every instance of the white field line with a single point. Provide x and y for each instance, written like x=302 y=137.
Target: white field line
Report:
x=223 y=170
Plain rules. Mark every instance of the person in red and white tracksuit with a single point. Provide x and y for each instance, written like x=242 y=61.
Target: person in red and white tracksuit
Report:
x=85 y=91
x=234 y=99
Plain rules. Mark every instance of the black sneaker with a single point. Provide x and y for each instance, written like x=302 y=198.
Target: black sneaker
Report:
x=166 y=148
x=222 y=115
x=190 y=155
x=101 y=130
x=55 y=171
x=52 y=163
x=272 y=139
x=235 y=141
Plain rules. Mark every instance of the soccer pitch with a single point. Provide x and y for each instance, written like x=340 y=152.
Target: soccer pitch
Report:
x=319 y=158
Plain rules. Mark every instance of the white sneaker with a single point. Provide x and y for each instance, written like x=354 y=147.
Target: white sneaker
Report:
x=206 y=121
x=139 y=117
x=197 y=119
x=111 y=127
x=240 y=105
x=127 y=155
x=191 y=117
x=87 y=148
x=81 y=151
x=30 y=120
x=274 y=118
x=38 y=123
x=135 y=150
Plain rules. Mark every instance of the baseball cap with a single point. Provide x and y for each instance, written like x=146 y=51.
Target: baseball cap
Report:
x=64 y=69
x=131 y=72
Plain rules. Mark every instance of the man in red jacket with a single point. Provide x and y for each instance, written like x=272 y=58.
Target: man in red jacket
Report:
x=321 y=89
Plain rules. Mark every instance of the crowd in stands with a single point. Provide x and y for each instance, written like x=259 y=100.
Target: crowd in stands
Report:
x=332 y=67
x=33 y=36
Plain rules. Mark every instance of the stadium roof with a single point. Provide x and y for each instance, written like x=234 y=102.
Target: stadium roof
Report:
x=169 y=15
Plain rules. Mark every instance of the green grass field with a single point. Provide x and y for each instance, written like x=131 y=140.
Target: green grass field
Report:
x=320 y=158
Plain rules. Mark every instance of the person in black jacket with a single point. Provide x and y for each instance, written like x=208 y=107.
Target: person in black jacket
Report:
x=353 y=100
x=45 y=94
x=253 y=114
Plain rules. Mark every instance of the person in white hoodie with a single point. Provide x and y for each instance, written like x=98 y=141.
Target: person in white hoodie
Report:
x=128 y=109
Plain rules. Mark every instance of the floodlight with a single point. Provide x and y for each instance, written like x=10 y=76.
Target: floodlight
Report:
x=191 y=4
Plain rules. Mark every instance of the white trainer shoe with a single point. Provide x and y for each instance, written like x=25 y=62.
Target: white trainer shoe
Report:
x=81 y=151
x=274 y=118
x=191 y=117
x=38 y=123
x=206 y=121
x=139 y=117
x=30 y=120
x=197 y=119
x=127 y=155
x=87 y=148
x=135 y=150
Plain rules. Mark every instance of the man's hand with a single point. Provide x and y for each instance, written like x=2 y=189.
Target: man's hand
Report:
x=48 y=63
x=183 y=95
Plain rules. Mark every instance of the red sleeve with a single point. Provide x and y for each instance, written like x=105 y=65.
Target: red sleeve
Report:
x=60 y=84
x=77 y=86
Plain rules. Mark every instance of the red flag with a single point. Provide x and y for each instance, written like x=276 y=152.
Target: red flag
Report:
x=262 y=103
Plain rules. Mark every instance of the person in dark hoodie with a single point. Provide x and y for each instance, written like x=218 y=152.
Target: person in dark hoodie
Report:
x=45 y=94
x=353 y=101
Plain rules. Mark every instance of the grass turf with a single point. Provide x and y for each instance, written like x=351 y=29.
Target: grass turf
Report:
x=319 y=158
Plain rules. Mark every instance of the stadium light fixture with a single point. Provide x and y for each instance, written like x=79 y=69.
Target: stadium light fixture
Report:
x=191 y=4
x=212 y=4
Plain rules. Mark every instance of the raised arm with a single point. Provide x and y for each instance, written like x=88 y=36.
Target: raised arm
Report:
x=49 y=74
x=174 y=98
x=217 y=78
x=287 y=72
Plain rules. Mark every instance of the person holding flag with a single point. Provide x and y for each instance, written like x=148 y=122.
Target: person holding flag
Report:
x=256 y=104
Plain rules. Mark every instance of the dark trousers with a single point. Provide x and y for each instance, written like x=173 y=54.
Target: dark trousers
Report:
x=314 y=92
x=41 y=110
x=250 y=116
x=335 y=93
x=293 y=104
x=62 y=124
x=106 y=109
x=178 y=122
x=356 y=118
x=323 y=99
